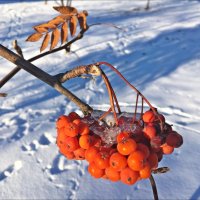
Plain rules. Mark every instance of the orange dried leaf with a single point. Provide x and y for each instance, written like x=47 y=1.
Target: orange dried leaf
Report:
x=66 y=10
x=82 y=20
x=54 y=38
x=34 y=37
x=64 y=32
x=72 y=25
x=57 y=20
x=40 y=29
x=46 y=25
x=45 y=42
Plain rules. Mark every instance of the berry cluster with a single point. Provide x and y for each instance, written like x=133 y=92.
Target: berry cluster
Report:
x=130 y=157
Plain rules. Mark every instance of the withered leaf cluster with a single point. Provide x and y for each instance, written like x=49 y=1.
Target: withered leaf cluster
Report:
x=58 y=28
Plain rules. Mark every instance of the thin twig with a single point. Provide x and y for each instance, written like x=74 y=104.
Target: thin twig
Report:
x=154 y=188
x=3 y=94
x=161 y=170
x=17 y=48
x=136 y=106
x=92 y=69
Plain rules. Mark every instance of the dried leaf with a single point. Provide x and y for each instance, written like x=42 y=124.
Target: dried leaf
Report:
x=54 y=38
x=34 y=37
x=47 y=26
x=72 y=25
x=82 y=21
x=40 y=29
x=57 y=20
x=66 y=10
x=45 y=42
x=64 y=32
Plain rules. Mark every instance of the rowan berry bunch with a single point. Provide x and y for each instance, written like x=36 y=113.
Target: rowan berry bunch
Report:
x=128 y=158
x=119 y=146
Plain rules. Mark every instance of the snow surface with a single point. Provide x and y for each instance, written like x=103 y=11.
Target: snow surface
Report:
x=157 y=50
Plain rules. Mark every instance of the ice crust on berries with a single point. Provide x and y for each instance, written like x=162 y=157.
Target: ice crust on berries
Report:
x=107 y=129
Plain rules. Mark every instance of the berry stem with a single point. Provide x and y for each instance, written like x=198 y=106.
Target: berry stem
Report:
x=142 y=108
x=129 y=84
x=154 y=188
x=105 y=114
x=110 y=92
x=136 y=105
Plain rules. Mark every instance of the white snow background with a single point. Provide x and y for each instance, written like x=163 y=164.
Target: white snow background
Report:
x=157 y=50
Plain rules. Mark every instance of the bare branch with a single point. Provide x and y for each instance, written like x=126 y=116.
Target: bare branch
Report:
x=45 y=77
x=93 y=70
x=3 y=94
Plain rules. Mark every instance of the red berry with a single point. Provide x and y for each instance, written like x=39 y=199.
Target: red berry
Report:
x=148 y=116
x=174 y=139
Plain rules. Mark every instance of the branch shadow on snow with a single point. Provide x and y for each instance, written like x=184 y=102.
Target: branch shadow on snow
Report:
x=18 y=1
x=196 y=194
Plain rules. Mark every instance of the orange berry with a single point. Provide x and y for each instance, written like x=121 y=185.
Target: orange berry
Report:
x=71 y=143
x=61 y=137
x=118 y=161
x=86 y=141
x=137 y=160
x=144 y=149
x=84 y=129
x=150 y=131
x=174 y=139
x=69 y=155
x=73 y=116
x=128 y=176
x=112 y=174
x=62 y=121
x=122 y=136
x=95 y=171
x=166 y=149
x=153 y=160
x=90 y=153
x=79 y=154
x=102 y=160
x=146 y=171
x=148 y=116
x=127 y=146
x=77 y=122
x=71 y=130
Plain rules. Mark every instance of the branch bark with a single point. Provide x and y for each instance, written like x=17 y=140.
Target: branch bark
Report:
x=45 y=77
x=3 y=94
x=92 y=69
